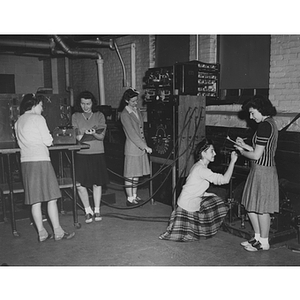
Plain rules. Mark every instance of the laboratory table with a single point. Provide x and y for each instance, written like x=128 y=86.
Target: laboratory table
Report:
x=9 y=148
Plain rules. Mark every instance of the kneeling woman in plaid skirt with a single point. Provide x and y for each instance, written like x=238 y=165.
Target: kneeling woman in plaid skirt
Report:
x=199 y=213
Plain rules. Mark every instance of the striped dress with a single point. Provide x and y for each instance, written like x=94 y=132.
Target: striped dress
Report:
x=261 y=192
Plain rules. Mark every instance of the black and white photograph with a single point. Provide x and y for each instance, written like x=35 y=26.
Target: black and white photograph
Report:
x=150 y=152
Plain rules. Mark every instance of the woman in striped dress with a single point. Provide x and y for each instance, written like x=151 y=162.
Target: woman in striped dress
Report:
x=261 y=192
x=199 y=213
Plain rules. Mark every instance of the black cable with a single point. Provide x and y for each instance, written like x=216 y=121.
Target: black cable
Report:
x=160 y=170
x=165 y=165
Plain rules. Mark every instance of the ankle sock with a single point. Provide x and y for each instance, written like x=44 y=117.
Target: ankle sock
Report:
x=58 y=231
x=130 y=199
x=264 y=242
x=88 y=210
x=257 y=236
x=97 y=210
x=43 y=234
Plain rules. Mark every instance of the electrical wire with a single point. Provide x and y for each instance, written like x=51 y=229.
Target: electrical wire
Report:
x=166 y=164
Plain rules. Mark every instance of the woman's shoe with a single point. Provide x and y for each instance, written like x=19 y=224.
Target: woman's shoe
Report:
x=97 y=217
x=65 y=236
x=248 y=243
x=43 y=239
x=88 y=218
x=257 y=246
x=133 y=203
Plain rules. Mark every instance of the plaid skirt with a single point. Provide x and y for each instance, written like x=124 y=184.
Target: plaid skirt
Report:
x=185 y=226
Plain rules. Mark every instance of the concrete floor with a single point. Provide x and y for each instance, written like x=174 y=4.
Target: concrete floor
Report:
x=129 y=238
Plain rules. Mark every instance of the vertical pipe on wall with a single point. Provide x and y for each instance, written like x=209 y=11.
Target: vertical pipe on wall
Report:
x=132 y=62
x=133 y=73
x=101 y=80
x=54 y=73
x=125 y=82
x=68 y=87
x=197 y=47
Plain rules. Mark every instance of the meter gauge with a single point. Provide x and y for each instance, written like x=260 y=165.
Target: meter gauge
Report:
x=161 y=140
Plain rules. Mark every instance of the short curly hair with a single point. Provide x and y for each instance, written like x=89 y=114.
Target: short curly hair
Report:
x=262 y=104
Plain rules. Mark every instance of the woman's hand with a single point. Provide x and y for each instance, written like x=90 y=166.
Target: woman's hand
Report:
x=90 y=131
x=240 y=142
x=79 y=137
x=234 y=156
x=238 y=148
x=241 y=145
x=148 y=150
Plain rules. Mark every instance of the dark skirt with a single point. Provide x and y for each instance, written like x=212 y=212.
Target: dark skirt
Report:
x=39 y=181
x=91 y=169
x=185 y=226
x=261 y=192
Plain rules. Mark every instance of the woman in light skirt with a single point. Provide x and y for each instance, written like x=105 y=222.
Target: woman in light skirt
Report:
x=261 y=192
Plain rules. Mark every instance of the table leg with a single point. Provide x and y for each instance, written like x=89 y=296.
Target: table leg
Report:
x=2 y=195
x=75 y=215
x=11 y=196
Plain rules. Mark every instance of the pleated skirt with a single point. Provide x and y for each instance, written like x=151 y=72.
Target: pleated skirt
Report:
x=91 y=169
x=261 y=192
x=185 y=226
x=39 y=181
x=136 y=166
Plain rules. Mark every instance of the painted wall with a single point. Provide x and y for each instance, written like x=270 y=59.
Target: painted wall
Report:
x=28 y=72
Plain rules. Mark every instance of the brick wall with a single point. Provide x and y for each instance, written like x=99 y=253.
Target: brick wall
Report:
x=84 y=71
x=285 y=77
x=207 y=48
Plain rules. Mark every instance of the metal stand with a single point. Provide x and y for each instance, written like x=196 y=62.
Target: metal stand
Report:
x=11 y=196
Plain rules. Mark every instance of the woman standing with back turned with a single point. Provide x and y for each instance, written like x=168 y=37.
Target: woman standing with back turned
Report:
x=39 y=179
x=261 y=192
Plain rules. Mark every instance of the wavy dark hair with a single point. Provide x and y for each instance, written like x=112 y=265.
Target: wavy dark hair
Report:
x=262 y=104
x=200 y=147
x=29 y=101
x=128 y=94
x=85 y=95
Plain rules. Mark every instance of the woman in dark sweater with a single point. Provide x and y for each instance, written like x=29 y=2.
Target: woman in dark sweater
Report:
x=90 y=163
